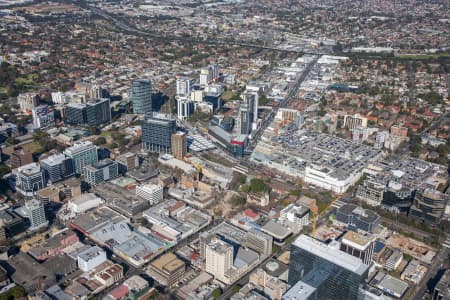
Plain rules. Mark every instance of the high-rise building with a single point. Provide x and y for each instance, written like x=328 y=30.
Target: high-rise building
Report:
x=57 y=167
x=184 y=86
x=219 y=258
x=36 y=213
x=28 y=101
x=321 y=271
x=209 y=74
x=380 y=139
x=185 y=108
x=28 y=179
x=358 y=246
x=82 y=154
x=442 y=290
x=94 y=113
x=252 y=101
x=141 y=96
x=157 y=130
x=101 y=171
x=43 y=117
x=429 y=205
x=179 y=144
x=245 y=118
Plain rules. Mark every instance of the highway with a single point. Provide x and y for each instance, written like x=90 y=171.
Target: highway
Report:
x=166 y=37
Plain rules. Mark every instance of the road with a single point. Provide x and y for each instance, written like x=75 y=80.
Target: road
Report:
x=438 y=263
x=167 y=37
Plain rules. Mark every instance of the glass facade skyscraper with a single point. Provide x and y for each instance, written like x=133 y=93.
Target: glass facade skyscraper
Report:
x=322 y=271
x=141 y=96
x=157 y=130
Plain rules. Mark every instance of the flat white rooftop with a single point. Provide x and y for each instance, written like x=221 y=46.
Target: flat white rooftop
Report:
x=331 y=254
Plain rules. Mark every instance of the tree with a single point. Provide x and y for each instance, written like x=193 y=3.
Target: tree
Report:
x=258 y=186
x=100 y=141
x=216 y=293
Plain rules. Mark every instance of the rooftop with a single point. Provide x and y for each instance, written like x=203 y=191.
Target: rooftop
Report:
x=168 y=262
x=331 y=254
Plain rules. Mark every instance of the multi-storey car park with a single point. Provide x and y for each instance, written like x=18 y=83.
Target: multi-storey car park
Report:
x=322 y=160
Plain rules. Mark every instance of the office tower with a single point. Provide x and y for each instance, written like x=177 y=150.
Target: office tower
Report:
x=82 y=154
x=209 y=74
x=94 y=113
x=157 y=130
x=245 y=118
x=184 y=86
x=252 y=101
x=27 y=101
x=258 y=241
x=20 y=157
x=96 y=91
x=185 y=108
x=36 y=213
x=101 y=171
x=141 y=96
x=153 y=193
x=28 y=179
x=179 y=144
x=429 y=205
x=57 y=167
x=359 y=246
x=381 y=138
x=219 y=258
x=322 y=271
x=43 y=117
x=213 y=99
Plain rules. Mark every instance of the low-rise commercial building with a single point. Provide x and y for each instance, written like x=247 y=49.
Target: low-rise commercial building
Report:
x=167 y=269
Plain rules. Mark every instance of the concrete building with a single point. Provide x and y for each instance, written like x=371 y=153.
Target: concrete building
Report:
x=219 y=259
x=43 y=117
x=91 y=258
x=429 y=205
x=57 y=167
x=258 y=241
x=28 y=101
x=321 y=271
x=127 y=161
x=36 y=214
x=157 y=130
x=185 y=108
x=179 y=145
x=153 y=193
x=394 y=260
x=441 y=290
x=28 y=179
x=358 y=246
x=167 y=269
x=354 y=121
x=84 y=202
x=82 y=154
x=141 y=96
x=20 y=157
x=101 y=171
x=95 y=112
x=357 y=217
x=184 y=86
x=295 y=213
